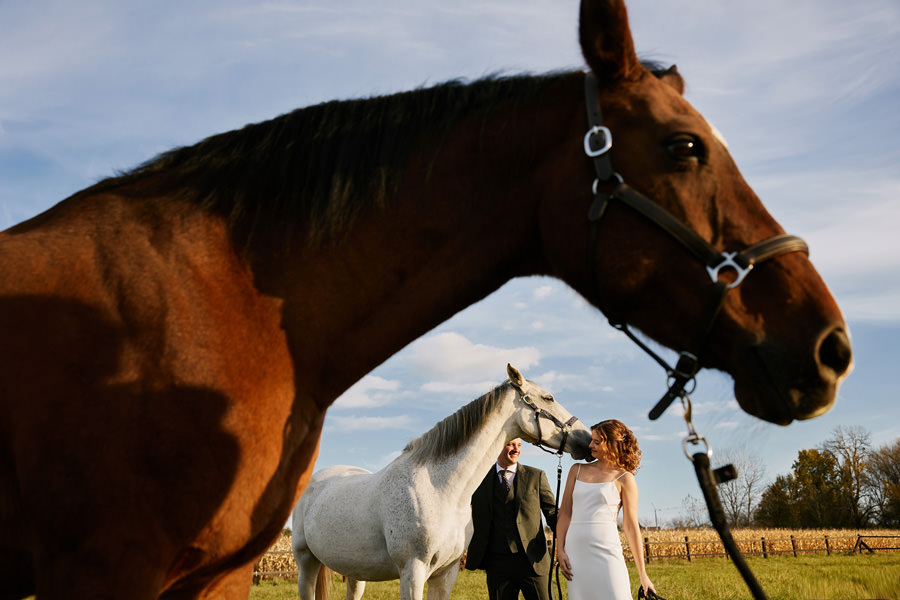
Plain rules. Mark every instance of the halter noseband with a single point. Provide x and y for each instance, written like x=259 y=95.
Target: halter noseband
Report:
x=597 y=144
x=540 y=412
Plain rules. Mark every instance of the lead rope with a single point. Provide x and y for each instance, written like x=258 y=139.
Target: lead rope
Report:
x=553 y=560
x=708 y=480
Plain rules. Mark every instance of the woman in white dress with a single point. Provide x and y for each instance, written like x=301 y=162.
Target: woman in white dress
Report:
x=588 y=546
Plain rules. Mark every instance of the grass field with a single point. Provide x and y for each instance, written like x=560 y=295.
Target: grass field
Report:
x=836 y=577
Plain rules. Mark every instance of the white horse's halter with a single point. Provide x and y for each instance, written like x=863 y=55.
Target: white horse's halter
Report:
x=540 y=412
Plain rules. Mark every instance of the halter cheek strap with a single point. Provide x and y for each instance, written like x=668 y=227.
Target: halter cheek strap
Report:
x=540 y=412
x=597 y=144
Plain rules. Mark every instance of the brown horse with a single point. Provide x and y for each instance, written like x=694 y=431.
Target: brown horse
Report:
x=172 y=337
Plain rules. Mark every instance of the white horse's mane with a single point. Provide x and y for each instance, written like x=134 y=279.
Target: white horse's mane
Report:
x=452 y=433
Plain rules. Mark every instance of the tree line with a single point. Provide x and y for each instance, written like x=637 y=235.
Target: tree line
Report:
x=843 y=483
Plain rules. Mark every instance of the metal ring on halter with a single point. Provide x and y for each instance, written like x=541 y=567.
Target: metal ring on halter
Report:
x=692 y=381
x=729 y=263
x=596 y=183
x=695 y=439
x=607 y=141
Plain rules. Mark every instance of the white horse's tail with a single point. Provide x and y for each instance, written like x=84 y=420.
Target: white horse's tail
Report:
x=323 y=583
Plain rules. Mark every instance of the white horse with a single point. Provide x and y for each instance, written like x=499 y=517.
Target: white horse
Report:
x=412 y=520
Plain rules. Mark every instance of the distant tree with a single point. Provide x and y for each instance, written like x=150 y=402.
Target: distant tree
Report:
x=843 y=483
x=777 y=506
x=693 y=514
x=851 y=449
x=807 y=497
x=741 y=495
x=884 y=479
x=819 y=494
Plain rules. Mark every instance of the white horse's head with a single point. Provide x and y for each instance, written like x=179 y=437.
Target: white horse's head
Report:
x=544 y=421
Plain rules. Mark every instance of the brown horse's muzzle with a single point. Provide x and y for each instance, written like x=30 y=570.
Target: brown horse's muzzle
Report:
x=781 y=386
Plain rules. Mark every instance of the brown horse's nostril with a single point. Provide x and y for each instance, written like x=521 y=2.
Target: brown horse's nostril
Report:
x=835 y=352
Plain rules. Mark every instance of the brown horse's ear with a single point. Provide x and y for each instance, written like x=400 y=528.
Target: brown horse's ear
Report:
x=606 y=41
x=515 y=376
x=673 y=79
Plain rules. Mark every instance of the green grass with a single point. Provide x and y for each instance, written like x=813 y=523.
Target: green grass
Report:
x=836 y=577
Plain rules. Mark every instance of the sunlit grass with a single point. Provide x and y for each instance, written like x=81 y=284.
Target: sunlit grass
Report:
x=835 y=577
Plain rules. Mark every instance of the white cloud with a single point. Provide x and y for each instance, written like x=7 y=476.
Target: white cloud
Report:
x=542 y=292
x=471 y=388
x=355 y=423
x=451 y=358
x=554 y=381
x=368 y=392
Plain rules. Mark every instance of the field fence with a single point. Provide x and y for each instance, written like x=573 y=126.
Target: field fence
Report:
x=278 y=562
x=711 y=546
x=765 y=542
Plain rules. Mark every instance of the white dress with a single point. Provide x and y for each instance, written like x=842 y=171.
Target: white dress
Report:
x=593 y=545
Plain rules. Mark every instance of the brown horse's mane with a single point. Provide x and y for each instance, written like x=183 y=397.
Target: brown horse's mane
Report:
x=452 y=433
x=320 y=165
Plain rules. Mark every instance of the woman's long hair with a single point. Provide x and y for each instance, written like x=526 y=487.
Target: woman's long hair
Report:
x=620 y=446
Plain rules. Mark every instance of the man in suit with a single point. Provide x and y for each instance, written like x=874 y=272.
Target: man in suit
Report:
x=508 y=541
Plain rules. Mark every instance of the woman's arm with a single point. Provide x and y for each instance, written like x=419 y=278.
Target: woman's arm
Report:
x=563 y=519
x=629 y=494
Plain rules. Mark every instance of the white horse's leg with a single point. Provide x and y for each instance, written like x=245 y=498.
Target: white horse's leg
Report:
x=355 y=589
x=308 y=566
x=412 y=580
x=441 y=582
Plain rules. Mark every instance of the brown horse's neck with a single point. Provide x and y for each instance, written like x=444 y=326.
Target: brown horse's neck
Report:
x=461 y=227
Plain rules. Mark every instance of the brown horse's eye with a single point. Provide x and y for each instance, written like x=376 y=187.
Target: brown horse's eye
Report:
x=685 y=147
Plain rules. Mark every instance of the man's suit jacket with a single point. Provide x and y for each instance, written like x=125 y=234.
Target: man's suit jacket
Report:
x=532 y=497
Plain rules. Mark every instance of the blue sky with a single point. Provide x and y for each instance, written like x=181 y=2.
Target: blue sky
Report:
x=805 y=93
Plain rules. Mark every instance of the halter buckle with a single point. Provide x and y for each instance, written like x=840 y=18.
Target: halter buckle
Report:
x=728 y=262
x=589 y=138
x=687 y=366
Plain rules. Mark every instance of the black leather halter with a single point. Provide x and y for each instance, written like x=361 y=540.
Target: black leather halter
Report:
x=597 y=144
x=539 y=412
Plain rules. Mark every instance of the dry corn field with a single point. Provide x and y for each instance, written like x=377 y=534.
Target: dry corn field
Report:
x=705 y=542
x=278 y=562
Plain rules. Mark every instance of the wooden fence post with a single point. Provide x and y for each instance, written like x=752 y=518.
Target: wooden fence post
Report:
x=764 y=549
x=687 y=547
x=794 y=546
x=861 y=544
x=827 y=546
x=646 y=549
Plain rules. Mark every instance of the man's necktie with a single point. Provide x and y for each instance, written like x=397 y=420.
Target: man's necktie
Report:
x=504 y=475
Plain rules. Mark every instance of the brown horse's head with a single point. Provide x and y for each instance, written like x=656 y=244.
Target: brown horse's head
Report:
x=780 y=333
